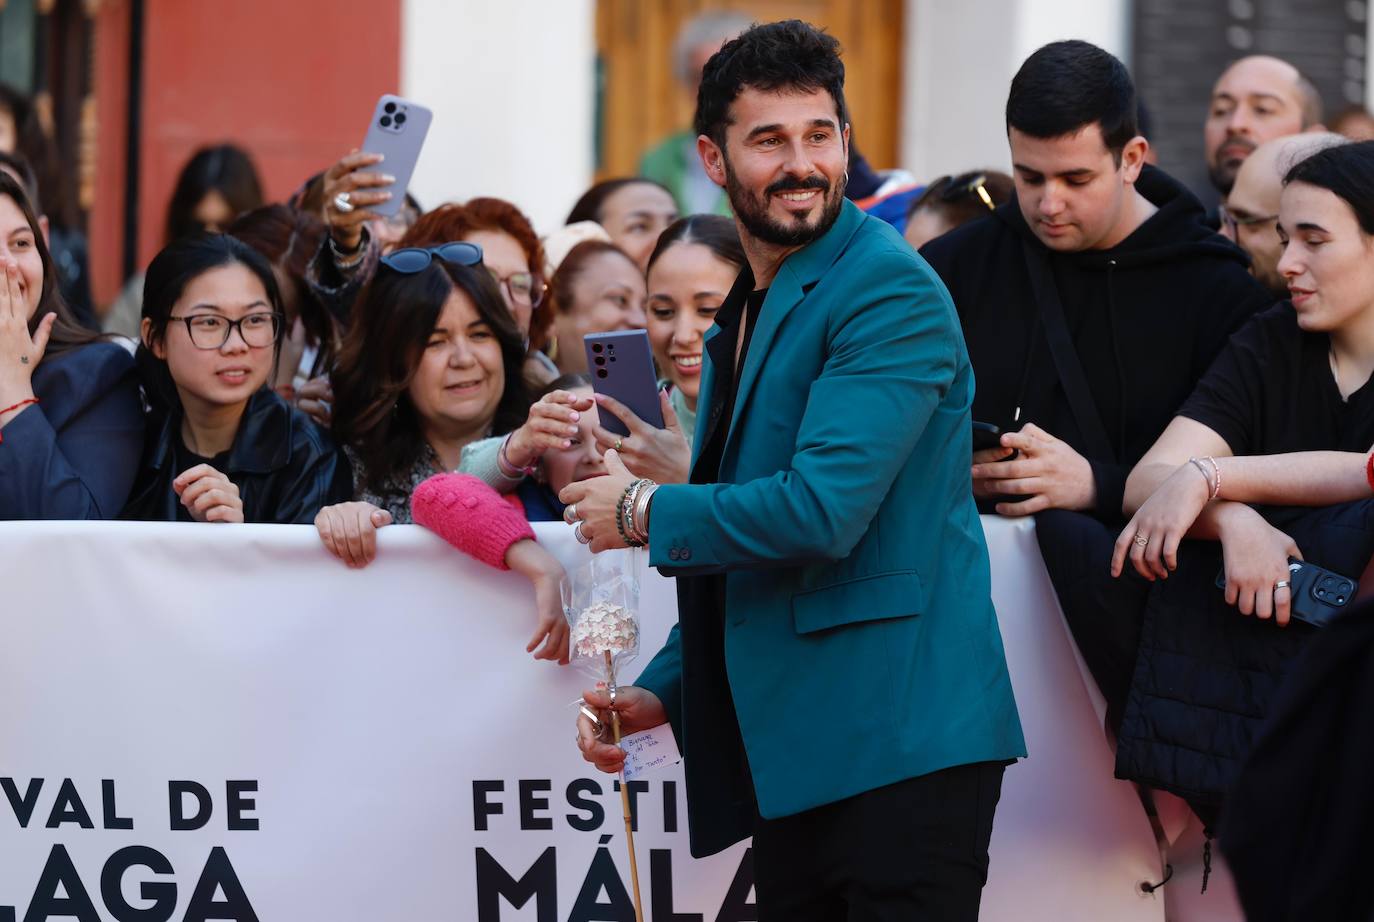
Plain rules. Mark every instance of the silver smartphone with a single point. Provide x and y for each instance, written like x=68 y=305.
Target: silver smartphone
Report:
x=622 y=366
x=397 y=132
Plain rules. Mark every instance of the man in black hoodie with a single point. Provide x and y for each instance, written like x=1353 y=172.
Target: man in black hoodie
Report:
x=1091 y=304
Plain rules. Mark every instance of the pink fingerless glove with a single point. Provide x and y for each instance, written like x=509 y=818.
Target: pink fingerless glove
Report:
x=470 y=515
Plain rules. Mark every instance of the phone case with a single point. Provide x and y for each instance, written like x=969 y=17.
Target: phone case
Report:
x=1318 y=594
x=397 y=131
x=622 y=366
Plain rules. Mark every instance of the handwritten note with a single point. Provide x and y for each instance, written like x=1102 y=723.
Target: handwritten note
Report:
x=648 y=750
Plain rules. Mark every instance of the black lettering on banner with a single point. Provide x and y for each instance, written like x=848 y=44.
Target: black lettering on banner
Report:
x=235 y=804
x=68 y=808
x=60 y=872
x=111 y=813
x=736 y=906
x=162 y=894
x=494 y=884
x=529 y=803
x=603 y=876
x=661 y=889
x=176 y=803
x=22 y=806
x=481 y=807
x=219 y=876
x=596 y=814
x=670 y=806
x=635 y=788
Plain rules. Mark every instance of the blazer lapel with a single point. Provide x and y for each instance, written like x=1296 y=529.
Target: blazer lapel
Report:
x=798 y=275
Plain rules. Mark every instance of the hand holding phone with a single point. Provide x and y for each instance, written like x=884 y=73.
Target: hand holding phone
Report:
x=1317 y=594
x=397 y=132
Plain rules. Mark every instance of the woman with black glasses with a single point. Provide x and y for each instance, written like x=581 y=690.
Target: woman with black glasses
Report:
x=222 y=446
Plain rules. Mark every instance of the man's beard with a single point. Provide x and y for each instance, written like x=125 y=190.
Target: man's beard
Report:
x=753 y=212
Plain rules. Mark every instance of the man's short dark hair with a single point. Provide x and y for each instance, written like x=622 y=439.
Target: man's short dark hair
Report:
x=1065 y=87
x=788 y=55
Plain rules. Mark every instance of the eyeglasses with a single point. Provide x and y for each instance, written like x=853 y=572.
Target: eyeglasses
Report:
x=210 y=331
x=968 y=184
x=1233 y=220
x=410 y=260
x=521 y=287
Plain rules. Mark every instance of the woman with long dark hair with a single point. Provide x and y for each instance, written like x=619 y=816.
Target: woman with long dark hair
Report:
x=224 y=446
x=430 y=381
x=71 y=424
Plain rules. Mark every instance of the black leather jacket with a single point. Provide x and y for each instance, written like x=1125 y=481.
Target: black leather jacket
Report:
x=285 y=466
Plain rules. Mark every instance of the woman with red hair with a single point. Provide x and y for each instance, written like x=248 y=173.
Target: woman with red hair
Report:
x=511 y=251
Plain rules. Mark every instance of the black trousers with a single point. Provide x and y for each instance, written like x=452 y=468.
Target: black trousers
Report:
x=915 y=851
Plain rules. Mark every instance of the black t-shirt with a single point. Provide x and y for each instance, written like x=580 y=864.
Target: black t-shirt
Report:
x=1271 y=391
x=185 y=459
x=725 y=371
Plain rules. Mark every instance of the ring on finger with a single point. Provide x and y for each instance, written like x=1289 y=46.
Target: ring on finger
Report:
x=1140 y=540
x=343 y=203
x=577 y=533
x=570 y=514
x=1281 y=584
x=618 y=443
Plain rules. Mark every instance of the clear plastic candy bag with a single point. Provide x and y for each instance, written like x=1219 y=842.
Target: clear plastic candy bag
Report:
x=601 y=602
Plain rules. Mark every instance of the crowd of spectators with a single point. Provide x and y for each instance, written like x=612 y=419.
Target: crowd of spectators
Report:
x=1179 y=391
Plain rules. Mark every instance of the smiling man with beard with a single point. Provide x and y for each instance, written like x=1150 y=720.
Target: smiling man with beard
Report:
x=836 y=681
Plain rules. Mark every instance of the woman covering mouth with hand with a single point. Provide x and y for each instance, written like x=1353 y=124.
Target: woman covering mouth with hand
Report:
x=691 y=270
x=223 y=447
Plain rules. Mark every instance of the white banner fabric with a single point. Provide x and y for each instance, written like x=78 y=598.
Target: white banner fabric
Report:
x=227 y=723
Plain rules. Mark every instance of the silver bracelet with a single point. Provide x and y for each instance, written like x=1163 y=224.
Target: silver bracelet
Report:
x=641 y=511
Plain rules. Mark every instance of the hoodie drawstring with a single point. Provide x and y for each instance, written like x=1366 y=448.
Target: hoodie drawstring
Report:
x=1120 y=366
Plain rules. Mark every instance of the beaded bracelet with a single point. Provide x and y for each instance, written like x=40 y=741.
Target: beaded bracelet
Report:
x=1216 y=472
x=1202 y=468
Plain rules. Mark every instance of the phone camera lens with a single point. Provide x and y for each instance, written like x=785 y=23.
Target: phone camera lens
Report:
x=601 y=372
x=596 y=347
x=612 y=358
x=389 y=108
x=601 y=360
x=400 y=118
x=386 y=121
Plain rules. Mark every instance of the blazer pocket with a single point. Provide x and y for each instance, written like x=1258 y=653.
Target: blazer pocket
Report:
x=869 y=598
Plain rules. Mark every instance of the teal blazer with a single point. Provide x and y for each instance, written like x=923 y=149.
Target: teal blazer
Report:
x=836 y=630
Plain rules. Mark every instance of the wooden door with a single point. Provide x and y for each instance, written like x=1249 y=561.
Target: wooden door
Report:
x=640 y=100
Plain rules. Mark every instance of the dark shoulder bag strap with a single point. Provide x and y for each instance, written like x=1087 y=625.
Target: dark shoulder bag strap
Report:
x=1066 y=363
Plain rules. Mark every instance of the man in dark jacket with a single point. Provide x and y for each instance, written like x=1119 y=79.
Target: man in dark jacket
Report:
x=1091 y=304
x=1149 y=293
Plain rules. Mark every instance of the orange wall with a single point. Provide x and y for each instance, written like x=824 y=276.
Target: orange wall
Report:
x=291 y=81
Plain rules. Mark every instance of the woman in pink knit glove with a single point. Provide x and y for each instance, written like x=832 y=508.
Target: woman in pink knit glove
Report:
x=483 y=524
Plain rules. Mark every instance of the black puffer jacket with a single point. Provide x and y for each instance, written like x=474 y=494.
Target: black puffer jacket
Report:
x=1206 y=676
x=285 y=466
x=1147 y=317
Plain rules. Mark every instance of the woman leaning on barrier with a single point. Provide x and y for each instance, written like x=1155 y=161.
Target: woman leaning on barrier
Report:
x=71 y=425
x=1268 y=463
x=430 y=380
x=223 y=446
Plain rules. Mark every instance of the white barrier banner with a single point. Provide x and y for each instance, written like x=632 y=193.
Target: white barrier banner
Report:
x=225 y=723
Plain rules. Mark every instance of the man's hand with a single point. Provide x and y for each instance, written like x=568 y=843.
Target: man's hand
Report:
x=598 y=504
x=1048 y=471
x=639 y=709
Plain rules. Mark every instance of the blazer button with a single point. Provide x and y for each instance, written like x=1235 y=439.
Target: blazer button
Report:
x=685 y=554
x=672 y=553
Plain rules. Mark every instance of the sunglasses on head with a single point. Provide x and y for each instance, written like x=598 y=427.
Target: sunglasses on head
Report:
x=968 y=184
x=410 y=260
